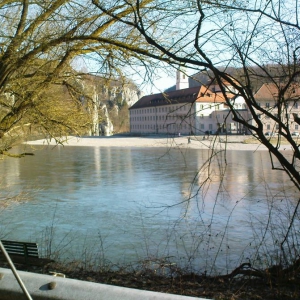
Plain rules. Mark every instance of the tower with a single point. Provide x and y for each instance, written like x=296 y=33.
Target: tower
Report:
x=182 y=80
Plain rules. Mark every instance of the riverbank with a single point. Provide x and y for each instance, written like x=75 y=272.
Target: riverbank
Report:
x=240 y=286
x=182 y=142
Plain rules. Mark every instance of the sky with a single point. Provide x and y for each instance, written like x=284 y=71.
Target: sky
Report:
x=159 y=85
x=160 y=81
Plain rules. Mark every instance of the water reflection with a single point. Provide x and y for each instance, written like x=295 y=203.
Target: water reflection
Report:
x=145 y=201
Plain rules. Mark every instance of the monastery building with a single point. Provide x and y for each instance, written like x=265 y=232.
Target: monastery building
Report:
x=196 y=110
x=203 y=110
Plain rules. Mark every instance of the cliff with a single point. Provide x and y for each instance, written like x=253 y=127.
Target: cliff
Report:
x=107 y=101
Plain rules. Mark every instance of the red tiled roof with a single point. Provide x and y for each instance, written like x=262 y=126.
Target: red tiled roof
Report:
x=190 y=95
x=206 y=95
x=174 y=97
x=269 y=91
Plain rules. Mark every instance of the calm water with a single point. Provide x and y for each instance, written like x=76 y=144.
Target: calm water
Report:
x=127 y=204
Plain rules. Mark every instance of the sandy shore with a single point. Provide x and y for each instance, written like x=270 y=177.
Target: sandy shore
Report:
x=232 y=142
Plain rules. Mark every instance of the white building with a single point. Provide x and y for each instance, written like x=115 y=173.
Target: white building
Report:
x=182 y=80
x=202 y=110
x=269 y=100
x=196 y=110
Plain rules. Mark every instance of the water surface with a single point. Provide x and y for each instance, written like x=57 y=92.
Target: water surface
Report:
x=132 y=203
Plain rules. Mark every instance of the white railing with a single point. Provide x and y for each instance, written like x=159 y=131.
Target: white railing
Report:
x=49 y=287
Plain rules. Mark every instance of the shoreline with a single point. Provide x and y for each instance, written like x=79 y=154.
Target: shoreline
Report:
x=181 y=142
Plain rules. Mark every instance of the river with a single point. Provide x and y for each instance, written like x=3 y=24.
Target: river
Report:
x=122 y=205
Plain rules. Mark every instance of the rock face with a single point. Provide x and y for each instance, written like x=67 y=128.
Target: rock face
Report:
x=106 y=126
x=105 y=101
x=131 y=96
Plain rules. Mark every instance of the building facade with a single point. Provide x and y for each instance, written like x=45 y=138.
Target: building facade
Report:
x=165 y=113
x=196 y=110
x=203 y=110
x=268 y=99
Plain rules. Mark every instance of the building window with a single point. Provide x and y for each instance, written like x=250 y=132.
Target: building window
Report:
x=296 y=105
x=296 y=126
x=268 y=127
x=210 y=126
x=202 y=126
x=267 y=104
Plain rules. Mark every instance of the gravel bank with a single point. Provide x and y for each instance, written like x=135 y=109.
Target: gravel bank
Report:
x=193 y=142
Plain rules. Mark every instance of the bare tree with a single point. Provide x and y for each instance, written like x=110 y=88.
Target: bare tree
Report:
x=259 y=41
x=242 y=44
